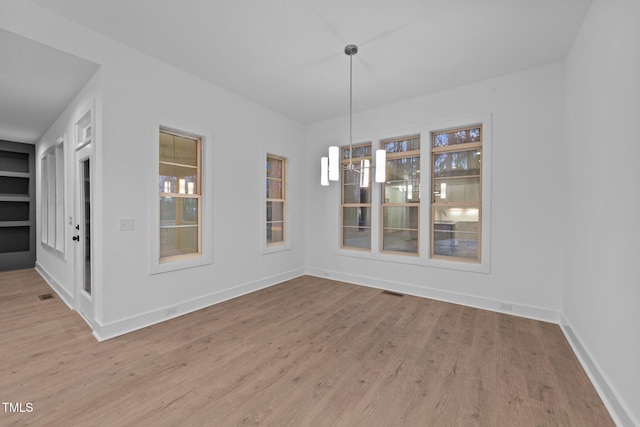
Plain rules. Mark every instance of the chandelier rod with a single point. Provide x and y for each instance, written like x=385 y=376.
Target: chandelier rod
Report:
x=350 y=109
x=351 y=50
x=331 y=165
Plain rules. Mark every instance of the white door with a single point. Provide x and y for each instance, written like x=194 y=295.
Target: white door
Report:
x=83 y=233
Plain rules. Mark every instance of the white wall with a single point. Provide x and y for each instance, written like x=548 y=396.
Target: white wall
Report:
x=526 y=256
x=137 y=92
x=603 y=228
x=140 y=91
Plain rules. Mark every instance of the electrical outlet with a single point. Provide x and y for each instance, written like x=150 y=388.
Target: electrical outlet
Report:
x=172 y=310
x=506 y=307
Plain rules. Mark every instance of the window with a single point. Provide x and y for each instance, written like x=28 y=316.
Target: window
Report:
x=356 y=197
x=52 y=197
x=401 y=196
x=44 y=197
x=59 y=183
x=449 y=227
x=456 y=207
x=180 y=195
x=276 y=200
x=83 y=130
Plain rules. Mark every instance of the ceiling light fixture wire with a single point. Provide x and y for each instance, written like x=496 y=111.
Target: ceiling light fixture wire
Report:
x=351 y=50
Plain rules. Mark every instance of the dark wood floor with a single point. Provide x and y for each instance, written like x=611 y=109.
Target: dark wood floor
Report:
x=308 y=352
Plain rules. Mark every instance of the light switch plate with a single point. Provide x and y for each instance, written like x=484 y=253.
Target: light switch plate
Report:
x=126 y=224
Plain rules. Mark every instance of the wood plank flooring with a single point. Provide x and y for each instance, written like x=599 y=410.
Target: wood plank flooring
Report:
x=307 y=352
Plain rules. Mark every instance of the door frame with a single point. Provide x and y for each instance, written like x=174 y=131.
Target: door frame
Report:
x=84 y=302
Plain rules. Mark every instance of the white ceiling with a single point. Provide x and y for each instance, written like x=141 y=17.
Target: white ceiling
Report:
x=36 y=85
x=289 y=54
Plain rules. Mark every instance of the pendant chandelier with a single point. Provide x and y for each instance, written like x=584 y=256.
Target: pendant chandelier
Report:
x=330 y=166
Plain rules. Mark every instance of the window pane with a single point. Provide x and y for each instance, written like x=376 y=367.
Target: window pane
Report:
x=167 y=148
x=400 y=240
x=275 y=232
x=356 y=237
x=275 y=203
x=402 y=145
x=186 y=151
x=178 y=241
x=456 y=189
x=357 y=151
x=179 y=174
x=356 y=216
x=352 y=191
x=459 y=163
x=274 y=189
x=178 y=149
x=456 y=232
x=178 y=179
x=51 y=200
x=59 y=182
x=178 y=211
x=275 y=211
x=178 y=226
x=400 y=217
x=403 y=181
x=274 y=167
x=356 y=220
x=44 y=195
x=457 y=137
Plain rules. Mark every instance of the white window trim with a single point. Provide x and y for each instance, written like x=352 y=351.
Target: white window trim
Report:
x=206 y=177
x=425 y=132
x=56 y=155
x=288 y=235
x=372 y=188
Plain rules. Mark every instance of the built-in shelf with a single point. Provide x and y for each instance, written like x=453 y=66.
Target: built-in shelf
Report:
x=15 y=239
x=14 y=211
x=14 y=198
x=14 y=174
x=14 y=185
x=17 y=205
x=14 y=224
x=12 y=160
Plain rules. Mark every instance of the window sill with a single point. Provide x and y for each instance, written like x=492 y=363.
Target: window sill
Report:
x=276 y=248
x=421 y=261
x=179 y=264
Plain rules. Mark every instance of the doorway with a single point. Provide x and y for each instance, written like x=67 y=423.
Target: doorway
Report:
x=83 y=232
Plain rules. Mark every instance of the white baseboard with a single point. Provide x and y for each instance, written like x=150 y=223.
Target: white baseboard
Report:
x=65 y=296
x=106 y=331
x=529 y=312
x=616 y=406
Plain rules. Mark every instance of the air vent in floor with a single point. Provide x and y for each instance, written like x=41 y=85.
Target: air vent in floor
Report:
x=395 y=294
x=45 y=296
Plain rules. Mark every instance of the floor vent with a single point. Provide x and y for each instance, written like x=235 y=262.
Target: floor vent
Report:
x=45 y=296
x=395 y=294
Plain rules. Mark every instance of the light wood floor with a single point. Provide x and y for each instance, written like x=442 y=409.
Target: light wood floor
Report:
x=308 y=352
